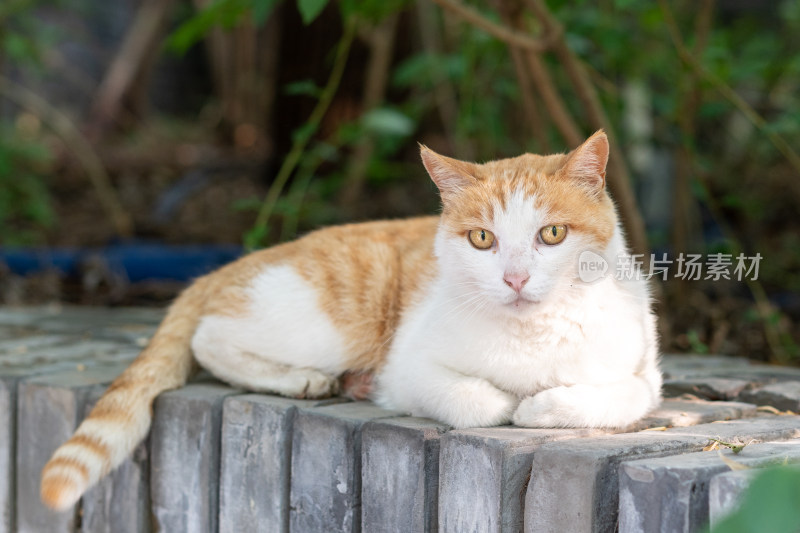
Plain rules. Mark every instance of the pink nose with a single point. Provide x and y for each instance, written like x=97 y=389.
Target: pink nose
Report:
x=516 y=280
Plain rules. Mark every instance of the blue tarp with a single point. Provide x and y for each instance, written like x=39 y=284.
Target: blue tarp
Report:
x=136 y=261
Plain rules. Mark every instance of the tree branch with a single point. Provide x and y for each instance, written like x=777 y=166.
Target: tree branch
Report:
x=683 y=216
x=138 y=47
x=726 y=91
x=508 y=36
x=619 y=181
x=381 y=43
x=444 y=94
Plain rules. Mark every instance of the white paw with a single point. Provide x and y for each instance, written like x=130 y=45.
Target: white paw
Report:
x=476 y=403
x=551 y=408
x=300 y=383
x=317 y=384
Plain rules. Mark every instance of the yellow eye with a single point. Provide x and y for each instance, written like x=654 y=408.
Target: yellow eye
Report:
x=553 y=234
x=481 y=239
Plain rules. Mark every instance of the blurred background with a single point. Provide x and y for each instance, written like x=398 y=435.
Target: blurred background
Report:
x=145 y=142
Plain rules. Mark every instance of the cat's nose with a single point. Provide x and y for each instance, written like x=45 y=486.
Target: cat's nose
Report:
x=516 y=280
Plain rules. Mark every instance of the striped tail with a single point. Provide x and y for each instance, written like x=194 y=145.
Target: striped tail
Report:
x=121 y=418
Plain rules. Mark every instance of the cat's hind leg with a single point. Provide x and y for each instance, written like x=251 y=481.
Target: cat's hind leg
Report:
x=281 y=341
x=218 y=351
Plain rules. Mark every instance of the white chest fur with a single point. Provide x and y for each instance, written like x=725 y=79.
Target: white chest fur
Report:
x=592 y=334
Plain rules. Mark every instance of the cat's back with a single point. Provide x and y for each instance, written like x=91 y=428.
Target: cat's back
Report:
x=367 y=275
x=376 y=253
x=358 y=278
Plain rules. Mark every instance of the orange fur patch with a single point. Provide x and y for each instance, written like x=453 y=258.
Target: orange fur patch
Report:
x=56 y=492
x=70 y=463
x=367 y=275
x=91 y=443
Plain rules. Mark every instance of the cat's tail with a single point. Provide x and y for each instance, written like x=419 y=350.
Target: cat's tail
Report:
x=122 y=416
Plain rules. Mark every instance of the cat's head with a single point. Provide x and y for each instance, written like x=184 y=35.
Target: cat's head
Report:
x=512 y=230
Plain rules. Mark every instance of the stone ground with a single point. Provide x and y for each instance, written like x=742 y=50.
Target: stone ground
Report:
x=219 y=459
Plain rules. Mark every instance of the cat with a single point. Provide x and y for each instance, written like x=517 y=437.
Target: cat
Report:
x=475 y=318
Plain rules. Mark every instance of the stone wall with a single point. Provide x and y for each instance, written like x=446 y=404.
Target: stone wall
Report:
x=219 y=459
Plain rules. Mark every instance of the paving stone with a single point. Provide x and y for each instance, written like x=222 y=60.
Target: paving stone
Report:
x=9 y=377
x=22 y=344
x=120 y=502
x=255 y=461
x=503 y=455
x=681 y=413
x=483 y=474
x=49 y=408
x=50 y=355
x=184 y=458
x=75 y=354
x=325 y=493
x=77 y=319
x=8 y=410
x=783 y=395
x=25 y=316
x=671 y=494
x=725 y=492
x=583 y=472
x=710 y=388
x=400 y=474
x=691 y=366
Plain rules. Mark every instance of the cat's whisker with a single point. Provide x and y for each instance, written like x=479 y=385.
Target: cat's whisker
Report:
x=478 y=296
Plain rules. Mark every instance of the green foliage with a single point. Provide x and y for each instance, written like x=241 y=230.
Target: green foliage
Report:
x=25 y=206
x=227 y=14
x=219 y=13
x=386 y=121
x=23 y=38
x=697 y=345
x=371 y=11
x=25 y=161
x=769 y=505
x=310 y=9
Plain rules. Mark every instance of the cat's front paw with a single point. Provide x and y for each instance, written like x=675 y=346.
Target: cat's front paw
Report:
x=551 y=408
x=474 y=402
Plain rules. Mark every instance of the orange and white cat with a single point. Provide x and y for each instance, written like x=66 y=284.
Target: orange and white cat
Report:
x=475 y=318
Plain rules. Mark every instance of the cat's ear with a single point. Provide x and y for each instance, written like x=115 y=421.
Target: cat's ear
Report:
x=587 y=163
x=450 y=175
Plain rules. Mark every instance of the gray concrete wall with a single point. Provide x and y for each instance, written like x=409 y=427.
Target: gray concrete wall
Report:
x=184 y=460
x=400 y=474
x=119 y=503
x=255 y=461
x=221 y=460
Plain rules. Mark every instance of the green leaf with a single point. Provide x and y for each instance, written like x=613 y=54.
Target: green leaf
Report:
x=387 y=121
x=303 y=87
x=262 y=10
x=223 y=13
x=20 y=48
x=251 y=203
x=310 y=9
x=770 y=504
x=371 y=10
x=304 y=132
x=254 y=237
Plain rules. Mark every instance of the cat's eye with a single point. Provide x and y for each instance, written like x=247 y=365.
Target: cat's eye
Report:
x=481 y=239
x=553 y=234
